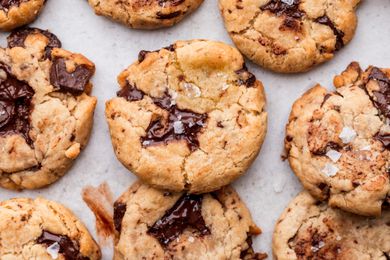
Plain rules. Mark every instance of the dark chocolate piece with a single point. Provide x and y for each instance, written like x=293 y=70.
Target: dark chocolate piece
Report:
x=180 y=124
x=381 y=97
x=70 y=82
x=186 y=213
x=325 y=20
x=163 y=16
x=7 y=4
x=330 y=145
x=17 y=38
x=280 y=8
x=15 y=105
x=142 y=55
x=68 y=248
x=119 y=213
x=249 y=253
x=245 y=77
x=385 y=139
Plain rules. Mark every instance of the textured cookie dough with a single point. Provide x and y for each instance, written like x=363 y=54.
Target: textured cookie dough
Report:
x=46 y=113
x=16 y=13
x=156 y=224
x=188 y=117
x=309 y=229
x=289 y=35
x=143 y=14
x=45 y=230
x=338 y=142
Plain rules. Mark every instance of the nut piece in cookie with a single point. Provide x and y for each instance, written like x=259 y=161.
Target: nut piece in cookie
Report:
x=309 y=229
x=141 y=14
x=188 y=117
x=43 y=229
x=16 y=13
x=289 y=36
x=156 y=224
x=46 y=112
x=338 y=142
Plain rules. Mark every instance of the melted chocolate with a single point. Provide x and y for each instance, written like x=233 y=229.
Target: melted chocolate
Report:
x=119 y=213
x=280 y=8
x=330 y=145
x=6 y=4
x=325 y=20
x=68 y=248
x=162 y=16
x=381 y=97
x=15 y=106
x=70 y=82
x=17 y=38
x=245 y=77
x=163 y=130
x=186 y=213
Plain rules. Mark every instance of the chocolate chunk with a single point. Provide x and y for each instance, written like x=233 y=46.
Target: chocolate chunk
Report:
x=130 y=93
x=186 y=213
x=385 y=139
x=281 y=8
x=325 y=20
x=162 y=16
x=119 y=213
x=71 y=82
x=249 y=253
x=324 y=150
x=17 y=38
x=165 y=3
x=245 y=77
x=7 y=4
x=381 y=98
x=15 y=105
x=68 y=248
x=141 y=55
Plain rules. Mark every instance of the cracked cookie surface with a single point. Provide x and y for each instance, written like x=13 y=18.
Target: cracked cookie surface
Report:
x=156 y=224
x=188 y=117
x=43 y=229
x=338 y=142
x=309 y=229
x=46 y=112
x=16 y=13
x=289 y=35
x=143 y=14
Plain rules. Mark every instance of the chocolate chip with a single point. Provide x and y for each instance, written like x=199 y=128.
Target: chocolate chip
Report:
x=381 y=98
x=245 y=77
x=6 y=4
x=71 y=82
x=68 y=248
x=186 y=213
x=385 y=139
x=281 y=8
x=119 y=213
x=18 y=37
x=15 y=105
x=163 y=16
x=130 y=93
x=141 y=55
x=325 y=20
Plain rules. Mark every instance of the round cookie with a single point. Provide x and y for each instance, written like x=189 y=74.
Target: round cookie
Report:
x=46 y=112
x=156 y=224
x=16 y=13
x=309 y=229
x=188 y=117
x=338 y=143
x=289 y=35
x=145 y=14
x=43 y=229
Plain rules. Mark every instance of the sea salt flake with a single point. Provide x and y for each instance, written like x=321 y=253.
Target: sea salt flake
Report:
x=366 y=148
x=289 y=2
x=225 y=86
x=330 y=170
x=314 y=249
x=191 y=239
x=321 y=244
x=53 y=250
x=178 y=127
x=192 y=90
x=145 y=143
x=347 y=135
x=338 y=238
x=333 y=155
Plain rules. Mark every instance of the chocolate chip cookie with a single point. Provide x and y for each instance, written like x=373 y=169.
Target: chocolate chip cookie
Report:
x=309 y=229
x=289 y=35
x=46 y=112
x=143 y=14
x=16 y=13
x=43 y=229
x=188 y=117
x=156 y=224
x=338 y=142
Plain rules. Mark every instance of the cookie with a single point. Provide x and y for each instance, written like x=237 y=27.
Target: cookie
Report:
x=309 y=229
x=16 y=13
x=43 y=229
x=188 y=117
x=289 y=36
x=156 y=224
x=338 y=143
x=46 y=112
x=145 y=14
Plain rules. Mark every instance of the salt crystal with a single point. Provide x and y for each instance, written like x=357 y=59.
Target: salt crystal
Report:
x=338 y=238
x=330 y=170
x=347 y=135
x=53 y=250
x=333 y=155
x=225 y=86
x=145 y=143
x=366 y=148
x=321 y=244
x=314 y=249
x=178 y=127
x=191 y=239
x=289 y=2
x=193 y=91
